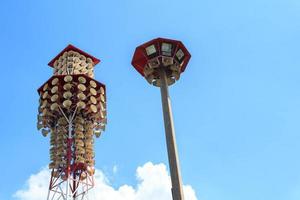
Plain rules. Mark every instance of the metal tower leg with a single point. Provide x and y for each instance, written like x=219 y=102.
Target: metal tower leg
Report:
x=177 y=191
x=62 y=189
x=69 y=197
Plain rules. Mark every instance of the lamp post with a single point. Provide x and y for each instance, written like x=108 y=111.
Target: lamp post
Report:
x=161 y=61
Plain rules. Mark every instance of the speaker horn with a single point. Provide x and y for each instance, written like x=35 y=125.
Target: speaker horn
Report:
x=148 y=71
x=97 y=133
x=45 y=87
x=167 y=61
x=45 y=95
x=81 y=87
x=54 y=98
x=68 y=78
x=81 y=96
x=44 y=104
x=54 y=90
x=92 y=109
x=92 y=100
x=54 y=106
x=54 y=81
x=45 y=132
x=67 y=103
x=93 y=84
x=67 y=95
x=68 y=86
x=81 y=79
x=81 y=105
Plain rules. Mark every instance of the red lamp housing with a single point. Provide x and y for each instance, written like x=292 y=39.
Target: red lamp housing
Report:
x=159 y=50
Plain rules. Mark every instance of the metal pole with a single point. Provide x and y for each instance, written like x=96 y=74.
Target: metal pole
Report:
x=177 y=191
x=69 y=156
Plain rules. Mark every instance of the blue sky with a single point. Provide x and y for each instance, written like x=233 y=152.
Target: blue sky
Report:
x=236 y=107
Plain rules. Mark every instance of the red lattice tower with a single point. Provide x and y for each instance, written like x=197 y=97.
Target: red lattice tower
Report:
x=72 y=110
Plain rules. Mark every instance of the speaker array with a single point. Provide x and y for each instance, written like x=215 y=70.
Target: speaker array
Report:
x=67 y=94
x=72 y=62
x=172 y=68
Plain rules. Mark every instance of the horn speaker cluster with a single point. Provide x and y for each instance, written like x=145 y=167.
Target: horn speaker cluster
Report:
x=72 y=109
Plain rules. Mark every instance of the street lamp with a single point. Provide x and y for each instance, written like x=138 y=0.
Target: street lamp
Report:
x=161 y=61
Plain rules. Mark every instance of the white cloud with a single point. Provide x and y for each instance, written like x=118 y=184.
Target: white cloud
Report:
x=153 y=182
x=36 y=187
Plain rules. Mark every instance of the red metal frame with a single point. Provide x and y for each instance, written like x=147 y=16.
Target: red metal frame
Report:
x=56 y=181
x=140 y=57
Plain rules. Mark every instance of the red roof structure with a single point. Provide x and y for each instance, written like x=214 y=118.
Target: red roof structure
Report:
x=73 y=48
